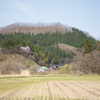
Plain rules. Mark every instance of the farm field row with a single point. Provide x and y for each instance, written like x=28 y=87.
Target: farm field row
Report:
x=50 y=88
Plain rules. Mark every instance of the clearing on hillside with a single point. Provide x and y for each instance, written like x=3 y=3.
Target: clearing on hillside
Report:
x=50 y=88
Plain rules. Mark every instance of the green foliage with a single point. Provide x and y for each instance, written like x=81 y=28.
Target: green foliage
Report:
x=56 y=61
x=47 y=43
x=88 y=46
x=98 y=46
x=7 y=43
x=49 y=57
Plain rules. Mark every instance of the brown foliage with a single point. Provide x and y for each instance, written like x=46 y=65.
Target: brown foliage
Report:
x=33 y=69
x=88 y=64
x=8 y=67
x=34 y=28
x=16 y=50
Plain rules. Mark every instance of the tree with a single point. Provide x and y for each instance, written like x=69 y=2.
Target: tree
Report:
x=88 y=64
x=49 y=57
x=88 y=46
x=98 y=46
x=17 y=41
x=7 y=43
x=56 y=61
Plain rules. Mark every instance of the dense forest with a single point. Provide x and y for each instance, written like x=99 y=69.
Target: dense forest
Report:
x=46 y=44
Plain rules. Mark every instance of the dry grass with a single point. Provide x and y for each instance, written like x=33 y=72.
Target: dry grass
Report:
x=11 y=64
x=50 y=88
x=69 y=48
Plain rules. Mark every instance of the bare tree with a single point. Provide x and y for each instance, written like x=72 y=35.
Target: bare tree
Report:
x=89 y=63
x=35 y=28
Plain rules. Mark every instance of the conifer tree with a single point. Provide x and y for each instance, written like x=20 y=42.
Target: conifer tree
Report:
x=98 y=46
x=88 y=46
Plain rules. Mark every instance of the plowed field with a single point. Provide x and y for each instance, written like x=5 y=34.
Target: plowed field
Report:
x=50 y=88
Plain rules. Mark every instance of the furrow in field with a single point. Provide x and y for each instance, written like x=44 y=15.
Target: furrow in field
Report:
x=89 y=87
x=62 y=90
x=22 y=93
x=83 y=91
x=79 y=91
x=54 y=89
x=25 y=93
x=52 y=85
x=50 y=92
x=30 y=94
x=6 y=89
x=71 y=92
x=46 y=91
x=35 y=91
x=38 y=92
x=95 y=85
x=58 y=92
x=8 y=95
x=43 y=92
x=17 y=90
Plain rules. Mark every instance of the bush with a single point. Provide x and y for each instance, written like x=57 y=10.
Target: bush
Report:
x=10 y=67
x=33 y=69
x=88 y=64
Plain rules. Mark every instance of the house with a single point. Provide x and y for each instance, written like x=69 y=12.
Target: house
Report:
x=54 y=67
x=61 y=65
x=42 y=69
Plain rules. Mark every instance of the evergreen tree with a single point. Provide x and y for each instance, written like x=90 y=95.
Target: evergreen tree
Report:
x=17 y=41
x=98 y=46
x=7 y=43
x=56 y=61
x=49 y=57
x=88 y=46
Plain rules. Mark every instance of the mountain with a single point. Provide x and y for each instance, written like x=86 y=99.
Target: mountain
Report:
x=54 y=43
x=35 y=28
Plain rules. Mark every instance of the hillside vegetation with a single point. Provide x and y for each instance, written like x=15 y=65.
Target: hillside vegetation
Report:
x=89 y=61
x=72 y=47
x=47 y=45
x=68 y=48
x=14 y=63
x=35 y=28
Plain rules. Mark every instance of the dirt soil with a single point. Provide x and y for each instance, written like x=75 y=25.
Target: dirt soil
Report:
x=23 y=73
x=81 y=90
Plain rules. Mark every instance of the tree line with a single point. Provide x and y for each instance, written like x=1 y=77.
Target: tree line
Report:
x=89 y=61
x=47 y=44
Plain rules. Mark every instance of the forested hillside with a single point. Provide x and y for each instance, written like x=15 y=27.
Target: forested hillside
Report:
x=46 y=45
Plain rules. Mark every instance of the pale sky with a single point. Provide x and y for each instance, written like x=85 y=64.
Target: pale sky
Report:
x=81 y=14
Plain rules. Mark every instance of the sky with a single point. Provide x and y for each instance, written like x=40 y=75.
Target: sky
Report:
x=81 y=14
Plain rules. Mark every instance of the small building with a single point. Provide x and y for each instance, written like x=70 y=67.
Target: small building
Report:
x=25 y=72
x=54 y=67
x=42 y=69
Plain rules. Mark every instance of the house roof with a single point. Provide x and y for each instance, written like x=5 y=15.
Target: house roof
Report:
x=43 y=67
x=50 y=68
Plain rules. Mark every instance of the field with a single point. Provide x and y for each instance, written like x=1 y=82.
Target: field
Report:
x=50 y=88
